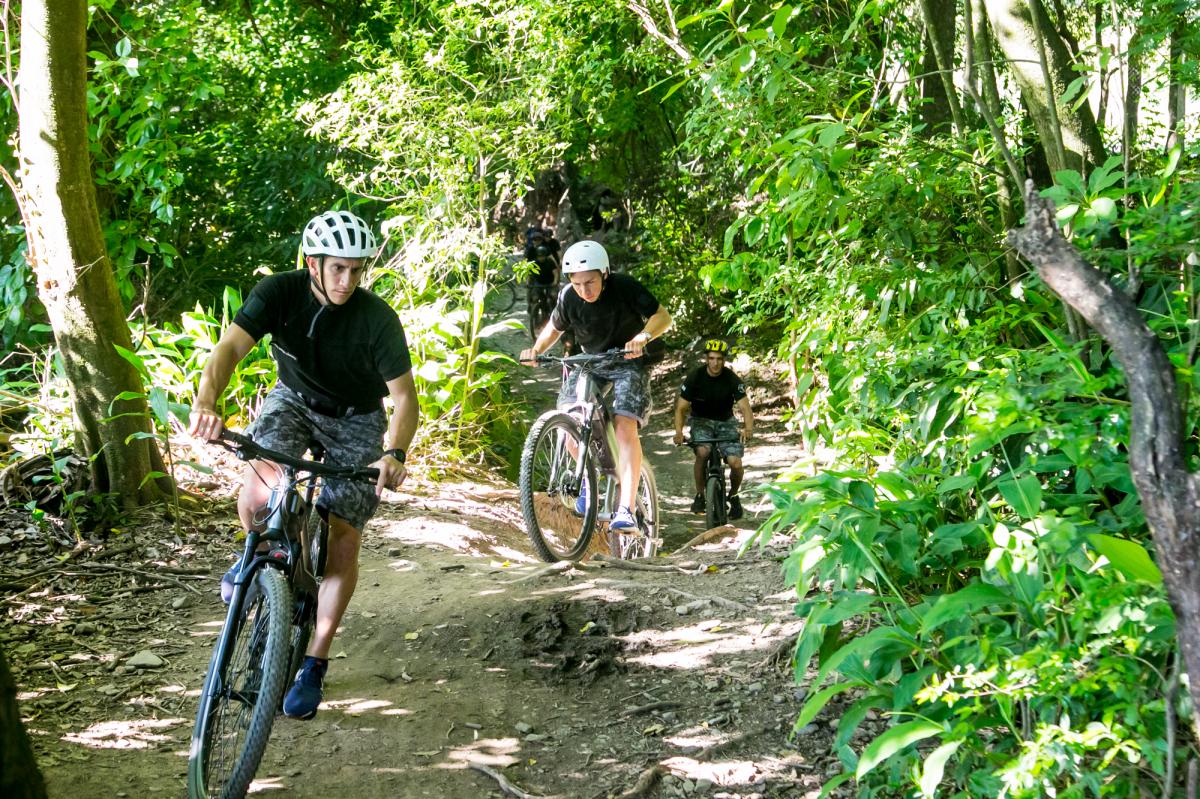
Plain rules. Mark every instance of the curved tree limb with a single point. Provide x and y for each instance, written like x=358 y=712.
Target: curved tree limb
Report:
x=1168 y=492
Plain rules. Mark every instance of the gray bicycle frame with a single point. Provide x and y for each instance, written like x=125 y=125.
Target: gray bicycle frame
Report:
x=589 y=408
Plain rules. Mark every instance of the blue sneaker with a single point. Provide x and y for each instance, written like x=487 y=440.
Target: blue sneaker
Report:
x=623 y=521
x=304 y=697
x=227 y=585
x=582 y=500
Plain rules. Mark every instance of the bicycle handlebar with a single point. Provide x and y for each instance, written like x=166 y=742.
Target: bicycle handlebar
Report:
x=699 y=442
x=246 y=449
x=583 y=357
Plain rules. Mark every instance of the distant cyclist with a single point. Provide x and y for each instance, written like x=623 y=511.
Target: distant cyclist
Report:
x=541 y=250
x=709 y=394
x=607 y=311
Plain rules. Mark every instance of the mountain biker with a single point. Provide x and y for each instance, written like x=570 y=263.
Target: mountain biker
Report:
x=710 y=393
x=339 y=349
x=607 y=311
x=542 y=250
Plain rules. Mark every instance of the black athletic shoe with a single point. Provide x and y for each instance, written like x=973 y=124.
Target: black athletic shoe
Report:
x=698 y=504
x=735 y=508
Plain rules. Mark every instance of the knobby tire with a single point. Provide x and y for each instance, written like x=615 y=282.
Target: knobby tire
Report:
x=715 y=512
x=236 y=715
x=544 y=506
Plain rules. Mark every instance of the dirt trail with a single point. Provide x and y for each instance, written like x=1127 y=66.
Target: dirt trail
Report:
x=457 y=651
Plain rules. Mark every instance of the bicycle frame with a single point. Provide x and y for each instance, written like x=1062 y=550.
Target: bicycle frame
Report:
x=596 y=431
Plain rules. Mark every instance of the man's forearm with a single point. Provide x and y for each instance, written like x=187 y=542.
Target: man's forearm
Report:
x=215 y=378
x=659 y=323
x=546 y=338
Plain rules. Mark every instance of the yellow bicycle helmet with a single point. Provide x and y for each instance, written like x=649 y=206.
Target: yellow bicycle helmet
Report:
x=716 y=345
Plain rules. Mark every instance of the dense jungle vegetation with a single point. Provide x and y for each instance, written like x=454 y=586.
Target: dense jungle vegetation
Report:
x=832 y=181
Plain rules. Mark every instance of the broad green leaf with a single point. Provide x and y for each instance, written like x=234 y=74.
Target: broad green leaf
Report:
x=818 y=701
x=892 y=742
x=835 y=783
x=935 y=768
x=956 y=483
x=962 y=603
x=1128 y=557
x=830 y=135
x=1024 y=494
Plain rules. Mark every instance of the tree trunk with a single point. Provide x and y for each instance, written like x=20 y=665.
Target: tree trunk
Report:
x=1169 y=493
x=1017 y=29
x=940 y=106
x=983 y=63
x=1177 y=91
x=19 y=775
x=74 y=275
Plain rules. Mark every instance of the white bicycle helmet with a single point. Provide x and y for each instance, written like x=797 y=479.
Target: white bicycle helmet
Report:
x=338 y=233
x=584 y=256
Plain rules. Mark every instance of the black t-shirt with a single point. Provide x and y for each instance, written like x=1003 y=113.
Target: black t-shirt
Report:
x=543 y=255
x=713 y=397
x=617 y=315
x=339 y=355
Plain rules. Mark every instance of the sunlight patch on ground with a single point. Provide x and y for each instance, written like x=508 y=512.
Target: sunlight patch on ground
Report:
x=726 y=773
x=692 y=739
x=138 y=734
x=695 y=646
x=268 y=784
x=353 y=707
x=440 y=532
x=486 y=751
x=396 y=711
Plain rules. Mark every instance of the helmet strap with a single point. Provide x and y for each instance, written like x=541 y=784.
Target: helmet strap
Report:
x=319 y=281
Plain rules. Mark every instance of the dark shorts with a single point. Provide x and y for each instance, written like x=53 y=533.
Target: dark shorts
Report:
x=286 y=424
x=630 y=381
x=714 y=428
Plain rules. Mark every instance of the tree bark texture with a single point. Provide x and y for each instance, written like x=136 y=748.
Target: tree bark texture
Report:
x=940 y=104
x=1177 y=90
x=1016 y=36
x=1169 y=495
x=74 y=275
x=19 y=774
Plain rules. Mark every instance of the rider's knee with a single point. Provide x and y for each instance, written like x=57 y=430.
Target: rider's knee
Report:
x=702 y=453
x=734 y=462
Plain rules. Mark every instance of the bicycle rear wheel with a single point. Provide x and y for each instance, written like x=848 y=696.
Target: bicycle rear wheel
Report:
x=645 y=543
x=550 y=489
x=242 y=691
x=715 y=512
x=502 y=297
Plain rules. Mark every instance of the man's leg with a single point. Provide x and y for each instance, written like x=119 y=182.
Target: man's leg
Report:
x=698 y=470
x=629 y=444
x=341 y=577
x=258 y=478
x=735 y=473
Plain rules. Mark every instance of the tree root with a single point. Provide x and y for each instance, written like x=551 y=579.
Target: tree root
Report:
x=506 y=787
x=545 y=571
x=647 y=782
x=708 y=535
x=687 y=567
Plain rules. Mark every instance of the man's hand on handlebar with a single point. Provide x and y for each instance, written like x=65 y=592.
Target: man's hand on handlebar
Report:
x=205 y=424
x=636 y=347
x=391 y=474
x=678 y=439
x=528 y=356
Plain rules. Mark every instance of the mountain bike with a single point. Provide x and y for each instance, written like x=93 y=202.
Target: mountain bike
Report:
x=267 y=626
x=568 y=478
x=716 y=501
x=542 y=298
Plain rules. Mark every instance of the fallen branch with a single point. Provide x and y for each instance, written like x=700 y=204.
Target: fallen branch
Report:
x=782 y=646
x=708 y=535
x=637 y=566
x=149 y=575
x=706 y=753
x=506 y=787
x=647 y=782
x=650 y=708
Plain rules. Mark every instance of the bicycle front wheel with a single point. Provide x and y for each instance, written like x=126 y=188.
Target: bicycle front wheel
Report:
x=715 y=512
x=558 y=504
x=242 y=691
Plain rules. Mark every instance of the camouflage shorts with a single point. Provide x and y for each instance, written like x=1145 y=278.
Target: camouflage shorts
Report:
x=713 y=428
x=287 y=425
x=630 y=381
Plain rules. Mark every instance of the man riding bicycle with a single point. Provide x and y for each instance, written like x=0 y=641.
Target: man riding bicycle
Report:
x=607 y=311
x=339 y=349
x=541 y=287
x=709 y=393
